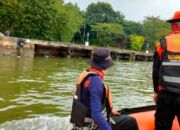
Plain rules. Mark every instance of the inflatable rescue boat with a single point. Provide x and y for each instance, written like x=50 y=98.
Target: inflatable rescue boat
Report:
x=145 y=117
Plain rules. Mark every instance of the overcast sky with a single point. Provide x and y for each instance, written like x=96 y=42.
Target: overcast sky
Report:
x=136 y=10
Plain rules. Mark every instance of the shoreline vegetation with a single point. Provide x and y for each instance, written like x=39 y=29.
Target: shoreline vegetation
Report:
x=98 y=25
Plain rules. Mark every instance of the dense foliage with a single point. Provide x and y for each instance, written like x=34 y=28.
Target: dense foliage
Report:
x=99 y=24
x=106 y=33
x=154 y=29
x=136 y=42
x=100 y=15
x=40 y=19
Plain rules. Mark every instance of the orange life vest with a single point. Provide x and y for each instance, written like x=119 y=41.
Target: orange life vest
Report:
x=169 y=54
x=84 y=81
x=86 y=84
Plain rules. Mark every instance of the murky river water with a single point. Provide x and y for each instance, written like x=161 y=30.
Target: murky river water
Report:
x=36 y=94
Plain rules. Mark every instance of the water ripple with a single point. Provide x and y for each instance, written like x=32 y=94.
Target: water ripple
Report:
x=39 y=123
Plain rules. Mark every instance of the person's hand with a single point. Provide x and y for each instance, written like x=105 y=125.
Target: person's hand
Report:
x=155 y=97
x=114 y=112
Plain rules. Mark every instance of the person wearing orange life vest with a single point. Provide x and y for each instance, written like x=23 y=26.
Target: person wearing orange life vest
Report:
x=166 y=77
x=95 y=95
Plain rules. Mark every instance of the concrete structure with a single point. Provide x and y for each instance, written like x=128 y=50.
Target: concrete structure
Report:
x=9 y=47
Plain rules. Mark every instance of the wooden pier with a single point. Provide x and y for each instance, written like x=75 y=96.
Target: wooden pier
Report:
x=59 y=49
x=74 y=50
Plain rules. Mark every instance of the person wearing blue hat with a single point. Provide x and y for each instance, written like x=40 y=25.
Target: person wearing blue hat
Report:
x=94 y=95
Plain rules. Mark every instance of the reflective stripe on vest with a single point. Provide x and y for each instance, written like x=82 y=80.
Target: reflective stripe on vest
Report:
x=171 y=79
x=171 y=64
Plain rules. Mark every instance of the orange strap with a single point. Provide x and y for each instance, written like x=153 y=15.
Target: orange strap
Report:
x=87 y=82
x=159 y=50
x=109 y=96
x=83 y=76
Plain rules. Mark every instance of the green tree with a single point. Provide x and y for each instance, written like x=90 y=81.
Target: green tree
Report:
x=132 y=28
x=136 y=42
x=102 y=13
x=40 y=19
x=154 y=29
x=103 y=24
x=74 y=21
x=107 y=33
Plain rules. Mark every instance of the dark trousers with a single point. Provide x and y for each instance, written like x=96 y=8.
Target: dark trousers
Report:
x=168 y=106
x=124 y=122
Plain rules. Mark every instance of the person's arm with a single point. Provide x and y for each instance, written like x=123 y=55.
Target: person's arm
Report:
x=96 y=92
x=155 y=72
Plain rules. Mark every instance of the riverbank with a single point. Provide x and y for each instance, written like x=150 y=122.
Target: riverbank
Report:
x=31 y=48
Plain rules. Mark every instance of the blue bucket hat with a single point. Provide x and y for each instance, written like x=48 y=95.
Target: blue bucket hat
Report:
x=101 y=58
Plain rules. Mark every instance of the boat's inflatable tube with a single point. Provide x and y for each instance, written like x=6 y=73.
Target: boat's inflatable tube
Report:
x=145 y=117
x=146 y=121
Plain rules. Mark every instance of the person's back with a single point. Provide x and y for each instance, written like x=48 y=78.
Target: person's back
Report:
x=92 y=97
x=166 y=77
x=96 y=96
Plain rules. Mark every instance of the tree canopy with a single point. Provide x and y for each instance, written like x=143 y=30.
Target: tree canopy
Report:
x=154 y=30
x=100 y=17
x=107 y=33
x=102 y=13
x=56 y=21
x=40 y=19
x=136 y=42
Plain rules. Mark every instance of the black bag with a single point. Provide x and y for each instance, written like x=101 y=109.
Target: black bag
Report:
x=78 y=113
x=79 y=110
